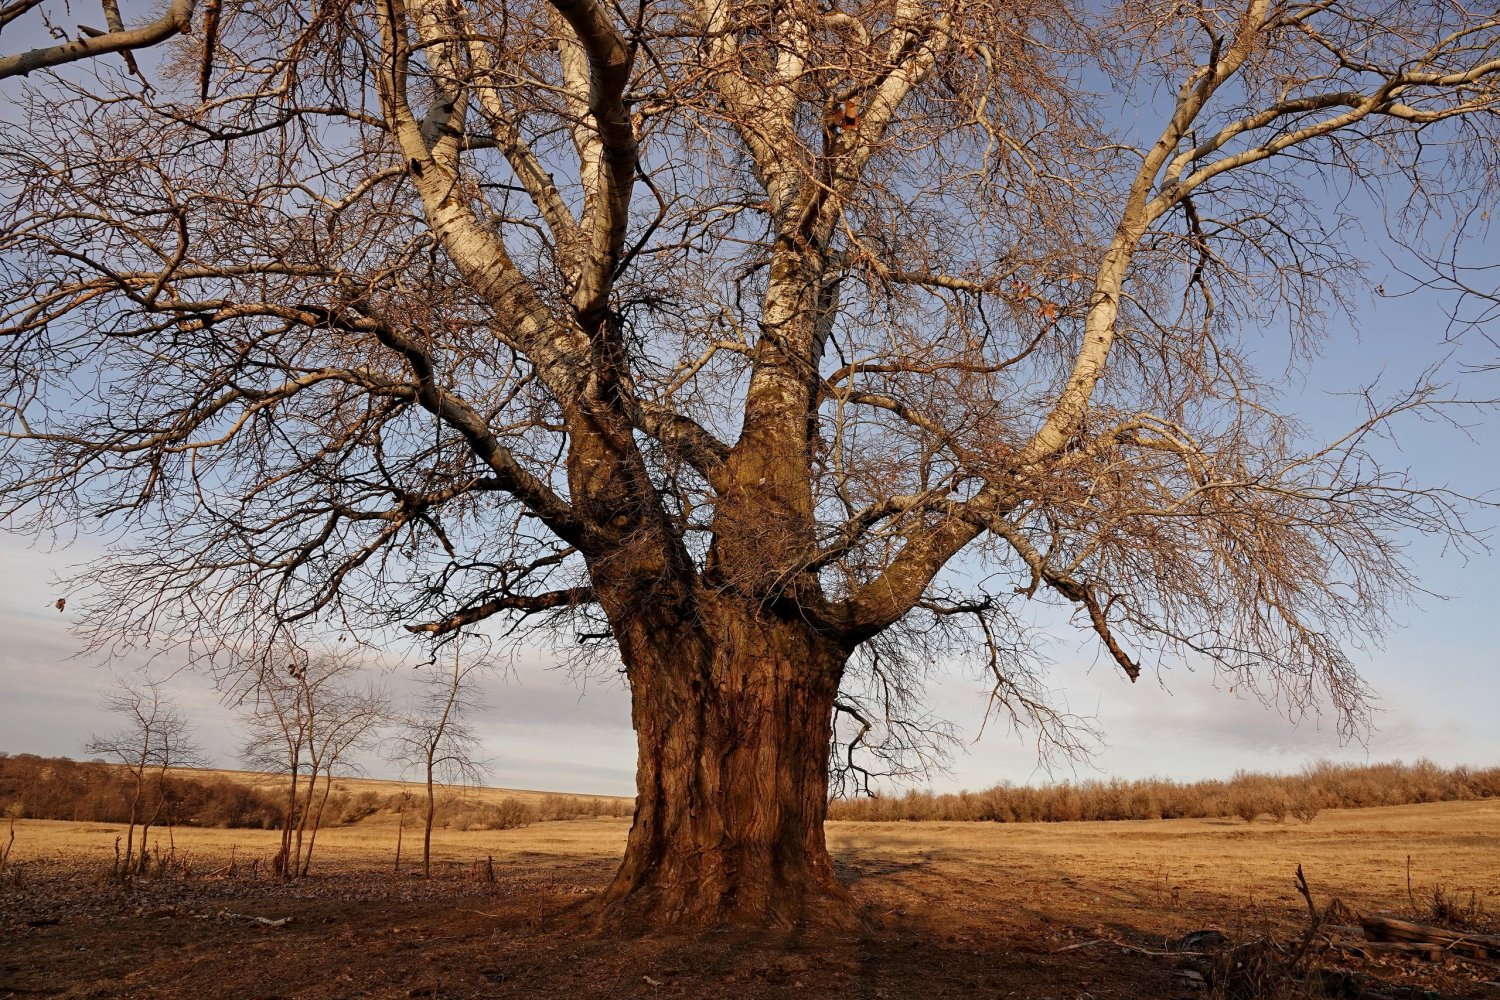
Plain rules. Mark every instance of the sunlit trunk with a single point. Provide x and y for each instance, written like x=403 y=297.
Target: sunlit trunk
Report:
x=283 y=862
x=732 y=718
x=427 y=825
x=317 y=820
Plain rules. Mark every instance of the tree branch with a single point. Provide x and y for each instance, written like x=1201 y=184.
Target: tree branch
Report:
x=177 y=20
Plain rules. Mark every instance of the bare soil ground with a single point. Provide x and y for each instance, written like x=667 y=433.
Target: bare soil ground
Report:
x=1073 y=910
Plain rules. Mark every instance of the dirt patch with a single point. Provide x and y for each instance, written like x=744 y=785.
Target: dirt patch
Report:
x=1063 y=911
x=363 y=935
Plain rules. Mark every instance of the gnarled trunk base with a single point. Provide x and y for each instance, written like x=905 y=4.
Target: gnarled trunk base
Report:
x=733 y=720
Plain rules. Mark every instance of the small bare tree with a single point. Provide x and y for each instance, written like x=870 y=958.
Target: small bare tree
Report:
x=155 y=738
x=436 y=742
x=403 y=803
x=307 y=722
x=276 y=743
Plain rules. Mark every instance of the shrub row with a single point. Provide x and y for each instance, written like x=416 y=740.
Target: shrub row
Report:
x=34 y=787
x=510 y=812
x=1322 y=785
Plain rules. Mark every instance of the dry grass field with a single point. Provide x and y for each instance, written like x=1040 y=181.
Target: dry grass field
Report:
x=275 y=784
x=952 y=910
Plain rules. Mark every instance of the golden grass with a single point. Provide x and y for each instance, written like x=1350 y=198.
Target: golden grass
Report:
x=1163 y=874
x=1180 y=870
x=369 y=844
x=276 y=785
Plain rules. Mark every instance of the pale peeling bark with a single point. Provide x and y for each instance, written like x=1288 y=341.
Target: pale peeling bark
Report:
x=575 y=356
x=759 y=110
x=175 y=21
x=772 y=496
x=1099 y=324
x=596 y=65
x=433 y=168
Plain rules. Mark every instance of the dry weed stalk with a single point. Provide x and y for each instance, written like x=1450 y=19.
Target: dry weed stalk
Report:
x=5 y=850
x=1445 y=907
x=483 y=870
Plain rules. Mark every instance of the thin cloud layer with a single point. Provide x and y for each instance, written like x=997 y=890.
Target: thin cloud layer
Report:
x=543 y=729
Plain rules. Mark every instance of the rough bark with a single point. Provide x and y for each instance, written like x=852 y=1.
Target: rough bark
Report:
x=732 y=714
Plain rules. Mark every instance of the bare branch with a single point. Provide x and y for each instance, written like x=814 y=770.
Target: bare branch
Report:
x=176 y=20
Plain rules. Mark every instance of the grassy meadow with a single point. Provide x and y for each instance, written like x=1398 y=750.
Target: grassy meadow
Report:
x=1056 y=909
x=1175 y=871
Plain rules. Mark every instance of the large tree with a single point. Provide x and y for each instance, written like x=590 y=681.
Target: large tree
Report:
x=777 y=348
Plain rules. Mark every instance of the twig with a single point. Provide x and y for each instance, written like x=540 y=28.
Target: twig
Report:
x=1130 y=947
x=1314 y=921
x=267 y=921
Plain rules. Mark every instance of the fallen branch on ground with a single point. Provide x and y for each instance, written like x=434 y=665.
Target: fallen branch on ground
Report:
x=1130 y=947
x=267 y=921
x=1484 y=946
x=1431 y=952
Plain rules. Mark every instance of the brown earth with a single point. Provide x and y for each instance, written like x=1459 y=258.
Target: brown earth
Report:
x=1068 y=910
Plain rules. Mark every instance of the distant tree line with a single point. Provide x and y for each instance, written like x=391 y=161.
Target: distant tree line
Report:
x=35 y=787
x=510 y=812
x=1323 y=785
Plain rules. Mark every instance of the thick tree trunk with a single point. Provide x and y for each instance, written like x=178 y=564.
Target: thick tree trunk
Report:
x=732 y=716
